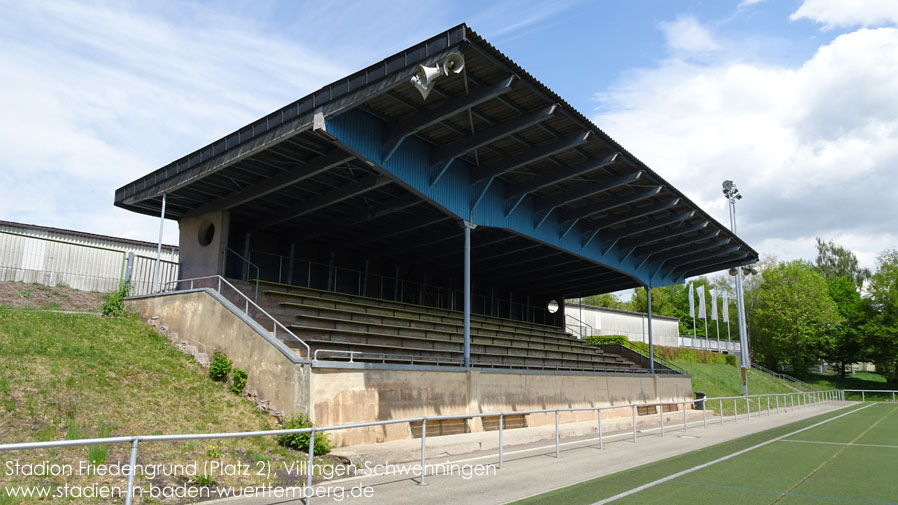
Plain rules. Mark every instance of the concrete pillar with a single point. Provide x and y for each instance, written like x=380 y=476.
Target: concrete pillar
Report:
x=203 y=244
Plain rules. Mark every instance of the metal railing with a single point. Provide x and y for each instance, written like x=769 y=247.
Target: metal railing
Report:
x=580 y=325
x=872 y=392
x=789 y=400
x=383 y=358
x=245 y=271
x=787 y=378
x=328 y=277
x=217 y=281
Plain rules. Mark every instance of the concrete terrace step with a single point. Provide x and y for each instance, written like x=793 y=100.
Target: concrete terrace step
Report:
x=391 y=354
x=392 y=332
x=433 y=344
x=409 y=328
x=305 y=304
x=333 y=295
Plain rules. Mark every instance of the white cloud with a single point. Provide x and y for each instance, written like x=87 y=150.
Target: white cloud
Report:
x=746 y=3
x=686 y=34
x=847 y=13
x=95 y=95
x=814 y=149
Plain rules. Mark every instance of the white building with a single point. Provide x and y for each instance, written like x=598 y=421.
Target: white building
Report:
x=86 y=261
x=587 y=320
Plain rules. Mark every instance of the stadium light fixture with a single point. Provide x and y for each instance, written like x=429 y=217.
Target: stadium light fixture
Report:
x=731 y=192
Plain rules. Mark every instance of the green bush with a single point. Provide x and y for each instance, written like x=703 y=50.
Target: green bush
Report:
x=668 y=353
x=300 y=441
x=220 y=367
x=115 y=301
x=608 y=340
x=238 y=380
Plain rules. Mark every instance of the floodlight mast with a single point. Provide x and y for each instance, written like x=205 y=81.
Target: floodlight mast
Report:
x=732 y=194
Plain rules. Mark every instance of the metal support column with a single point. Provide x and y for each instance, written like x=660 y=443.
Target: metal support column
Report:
x=467 y=318
x=648 y=292
x=159 y=246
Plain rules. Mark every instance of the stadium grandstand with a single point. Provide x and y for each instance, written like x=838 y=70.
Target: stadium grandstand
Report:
x=407 y=236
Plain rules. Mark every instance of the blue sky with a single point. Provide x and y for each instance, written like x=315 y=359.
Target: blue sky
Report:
x=795 y=100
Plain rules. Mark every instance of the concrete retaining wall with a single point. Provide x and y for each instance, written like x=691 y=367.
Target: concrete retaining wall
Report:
x=334 y=396
x=341 y=396
x=203 y=321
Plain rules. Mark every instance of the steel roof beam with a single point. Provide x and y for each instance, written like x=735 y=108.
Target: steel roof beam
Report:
x=407 y=226
x=588 y=289
x=517 y=191
x=521 y=268
x=364 y=215
x=534 y=154
x=712 y=258
x=613 y=238
x=280 y=181
x=697 y=248
x=424 y=118
x=726 y=263
x=616 y=219
x=572 y=217
x=368 y=183
x=631 y=245
x=568 y=284
x=443 y=155
x=545 y=206
x=684 y=241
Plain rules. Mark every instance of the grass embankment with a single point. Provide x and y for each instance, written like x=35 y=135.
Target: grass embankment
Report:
x=857 y=380
x=723 y=380
x=71 y=376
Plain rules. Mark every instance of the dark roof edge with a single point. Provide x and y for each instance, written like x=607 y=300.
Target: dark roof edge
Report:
x=342 y=88
x=475 y=37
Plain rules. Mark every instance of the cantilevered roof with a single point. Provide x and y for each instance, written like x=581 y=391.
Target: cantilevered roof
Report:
x=367 y=164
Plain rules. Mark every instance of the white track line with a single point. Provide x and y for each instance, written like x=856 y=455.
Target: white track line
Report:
x=719 y=460
x=841 y=443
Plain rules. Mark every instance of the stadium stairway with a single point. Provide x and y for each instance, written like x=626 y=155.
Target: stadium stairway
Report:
x=344 y=327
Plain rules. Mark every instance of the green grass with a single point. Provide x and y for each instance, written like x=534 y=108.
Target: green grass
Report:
x=858 y=380
x=71 y=376
x=721 y=380
x=808 y=472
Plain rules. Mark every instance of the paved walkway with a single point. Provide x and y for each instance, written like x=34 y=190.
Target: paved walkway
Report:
x=533 y=468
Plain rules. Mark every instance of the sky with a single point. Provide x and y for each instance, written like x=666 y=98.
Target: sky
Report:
x=794 y=100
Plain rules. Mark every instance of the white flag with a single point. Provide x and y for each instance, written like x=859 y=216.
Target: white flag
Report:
x=713 y=304
x=726 y=306
x=691 y=302
x=701 y=302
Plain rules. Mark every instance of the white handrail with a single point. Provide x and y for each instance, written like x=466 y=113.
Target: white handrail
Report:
x=803 y=400
x=246 y=305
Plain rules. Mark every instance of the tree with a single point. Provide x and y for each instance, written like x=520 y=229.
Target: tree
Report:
x=606 y=300
x=881 y=332
x=835 y=261
x=848 y=342
x=793 y=317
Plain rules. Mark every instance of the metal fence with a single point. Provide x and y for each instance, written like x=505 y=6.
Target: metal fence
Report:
x=710 y=344
x=779 y=402
x=140 y=273
x=873 y=394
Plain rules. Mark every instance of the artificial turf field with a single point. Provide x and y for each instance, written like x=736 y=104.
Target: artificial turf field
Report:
x=850 y=456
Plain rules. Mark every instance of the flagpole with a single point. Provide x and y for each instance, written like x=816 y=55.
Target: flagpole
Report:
x=717 y=321
x=707 y=338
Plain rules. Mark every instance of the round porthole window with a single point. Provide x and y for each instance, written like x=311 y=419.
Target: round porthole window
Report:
x=206 y=233
x=553 y=307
